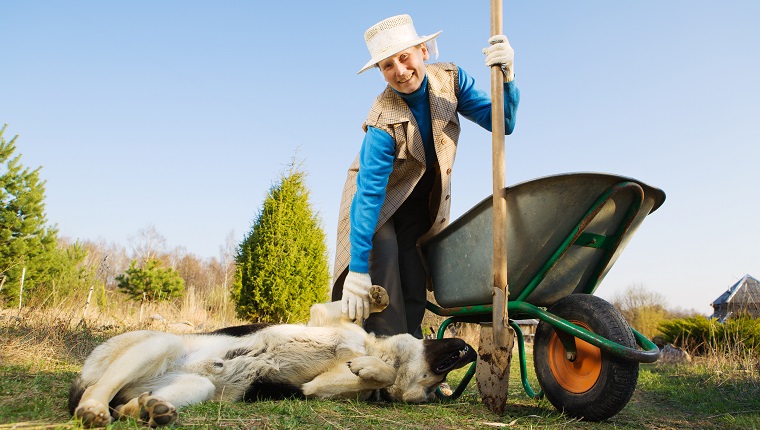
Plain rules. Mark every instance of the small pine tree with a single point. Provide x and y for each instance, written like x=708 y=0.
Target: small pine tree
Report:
x=281 y=264
x=68 y=272
x=153 y=282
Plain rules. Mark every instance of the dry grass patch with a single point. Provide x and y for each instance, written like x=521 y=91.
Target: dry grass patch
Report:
x=42 y=351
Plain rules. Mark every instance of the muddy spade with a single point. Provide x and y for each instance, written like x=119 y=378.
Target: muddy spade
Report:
x=496 y=339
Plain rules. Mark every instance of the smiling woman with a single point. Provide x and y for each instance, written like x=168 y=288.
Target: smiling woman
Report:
x=398 y=190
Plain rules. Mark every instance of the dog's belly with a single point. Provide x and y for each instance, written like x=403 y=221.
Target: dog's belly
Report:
x=204 y=355
x=287 y=354
x=297 y=354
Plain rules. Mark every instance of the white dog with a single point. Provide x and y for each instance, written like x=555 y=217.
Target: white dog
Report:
x=147 y=375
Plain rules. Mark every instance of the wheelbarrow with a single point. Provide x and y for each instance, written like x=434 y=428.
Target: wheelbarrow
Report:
x=563 y=235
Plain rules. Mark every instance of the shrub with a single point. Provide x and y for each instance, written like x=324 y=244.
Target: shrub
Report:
x=701 y=335
x=644 y=310
x=281 y=266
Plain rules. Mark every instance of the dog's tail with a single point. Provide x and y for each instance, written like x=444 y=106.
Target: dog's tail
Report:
x=75 y=394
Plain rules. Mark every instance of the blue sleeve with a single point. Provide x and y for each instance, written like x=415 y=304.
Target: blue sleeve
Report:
x=375 y=166
x=475 y=104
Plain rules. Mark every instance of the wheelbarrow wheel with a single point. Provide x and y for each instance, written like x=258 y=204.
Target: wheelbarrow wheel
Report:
x=596 y=385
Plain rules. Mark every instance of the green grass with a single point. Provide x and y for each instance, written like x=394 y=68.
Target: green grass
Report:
x=37 y=365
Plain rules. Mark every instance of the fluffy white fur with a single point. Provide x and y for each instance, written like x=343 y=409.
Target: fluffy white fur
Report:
x=148 y=374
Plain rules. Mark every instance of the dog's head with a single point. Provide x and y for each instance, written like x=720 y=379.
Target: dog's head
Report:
x=425 y=366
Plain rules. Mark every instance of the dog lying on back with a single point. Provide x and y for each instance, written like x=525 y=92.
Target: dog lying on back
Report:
x=147 y=375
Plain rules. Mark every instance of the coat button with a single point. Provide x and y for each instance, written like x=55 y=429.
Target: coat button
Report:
x=448 y=171
x=443 y=220
x=447 y=197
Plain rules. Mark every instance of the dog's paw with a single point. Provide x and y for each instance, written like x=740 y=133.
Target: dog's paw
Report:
x=445 y=389
x=93 y=414
x=372 y=368
x=156 y=411
x=379 y=299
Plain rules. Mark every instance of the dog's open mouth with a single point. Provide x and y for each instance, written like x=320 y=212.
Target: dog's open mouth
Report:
x=456 y=360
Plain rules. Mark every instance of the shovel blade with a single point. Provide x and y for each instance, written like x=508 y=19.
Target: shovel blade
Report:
x=492 y=370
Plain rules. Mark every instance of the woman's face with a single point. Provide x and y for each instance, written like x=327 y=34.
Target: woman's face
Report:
x=405 y=71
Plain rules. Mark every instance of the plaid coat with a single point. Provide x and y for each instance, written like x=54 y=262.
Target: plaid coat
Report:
x=391 y=114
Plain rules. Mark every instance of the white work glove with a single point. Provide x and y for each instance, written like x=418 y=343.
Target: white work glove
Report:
x=355 y=300
x=500 y=52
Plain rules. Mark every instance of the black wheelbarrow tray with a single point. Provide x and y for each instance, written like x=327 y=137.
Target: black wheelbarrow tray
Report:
x=564 y=233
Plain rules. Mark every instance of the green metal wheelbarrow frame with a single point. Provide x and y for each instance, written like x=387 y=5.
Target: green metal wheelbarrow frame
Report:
x=640 y=200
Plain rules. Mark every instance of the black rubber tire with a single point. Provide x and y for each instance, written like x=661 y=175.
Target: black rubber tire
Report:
x=617 y=377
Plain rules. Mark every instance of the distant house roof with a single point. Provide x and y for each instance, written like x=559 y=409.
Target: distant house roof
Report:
x=745 y=292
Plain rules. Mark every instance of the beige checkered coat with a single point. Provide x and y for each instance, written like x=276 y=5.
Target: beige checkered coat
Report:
x=390 y=113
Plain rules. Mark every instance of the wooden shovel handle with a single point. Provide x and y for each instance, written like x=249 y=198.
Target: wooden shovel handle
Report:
x=501 y=292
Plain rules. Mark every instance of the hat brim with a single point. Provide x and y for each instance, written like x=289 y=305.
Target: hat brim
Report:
x=396 y=49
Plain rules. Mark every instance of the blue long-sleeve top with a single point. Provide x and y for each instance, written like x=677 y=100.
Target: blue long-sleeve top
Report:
x=378 y=151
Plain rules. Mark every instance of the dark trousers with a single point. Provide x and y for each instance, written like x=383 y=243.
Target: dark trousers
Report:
x=395 y=264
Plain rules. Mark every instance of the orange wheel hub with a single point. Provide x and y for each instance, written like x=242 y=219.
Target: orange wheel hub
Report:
x=576 y=376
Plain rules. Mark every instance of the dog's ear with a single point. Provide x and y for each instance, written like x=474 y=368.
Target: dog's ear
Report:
x=445 y=355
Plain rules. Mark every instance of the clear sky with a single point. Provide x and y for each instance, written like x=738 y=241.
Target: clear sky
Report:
x=182 y=114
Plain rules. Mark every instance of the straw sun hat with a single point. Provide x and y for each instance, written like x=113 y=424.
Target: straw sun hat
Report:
x=391 y=36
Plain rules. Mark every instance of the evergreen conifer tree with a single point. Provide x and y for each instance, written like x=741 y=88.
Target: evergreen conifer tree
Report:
x=153 y=282
x=281 y=264
x=25 y=240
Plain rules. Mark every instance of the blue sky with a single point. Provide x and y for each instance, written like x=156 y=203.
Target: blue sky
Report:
x=182 y=114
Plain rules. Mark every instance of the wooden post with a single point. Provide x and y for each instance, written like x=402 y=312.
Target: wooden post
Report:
x=87 y=303
x=21 y=290
x=142 y=303
x=92 y=287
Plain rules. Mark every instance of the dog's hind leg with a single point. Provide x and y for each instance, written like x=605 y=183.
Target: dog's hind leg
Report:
x=145 y=359
x=159 y=407
x=329 y=314
x=149 y=409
